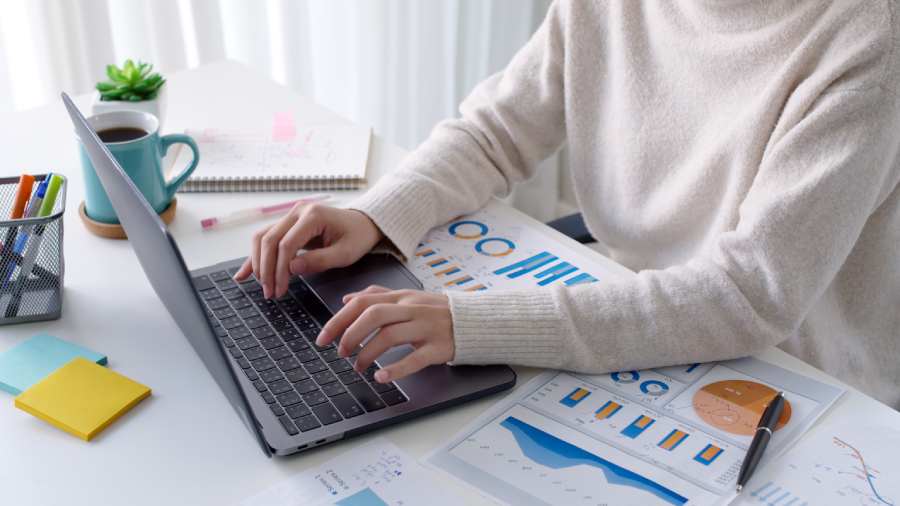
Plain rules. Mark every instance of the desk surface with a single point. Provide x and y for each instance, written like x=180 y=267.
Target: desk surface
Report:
x=184 y=445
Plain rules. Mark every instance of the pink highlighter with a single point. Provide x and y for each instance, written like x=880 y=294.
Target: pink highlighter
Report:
x=257 y=213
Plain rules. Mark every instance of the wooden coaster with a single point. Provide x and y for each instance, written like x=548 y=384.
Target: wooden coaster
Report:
x=115 y=230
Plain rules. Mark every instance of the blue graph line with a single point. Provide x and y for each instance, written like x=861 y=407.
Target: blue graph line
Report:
x=552 y=452
x=365 y=497
x=581 y=278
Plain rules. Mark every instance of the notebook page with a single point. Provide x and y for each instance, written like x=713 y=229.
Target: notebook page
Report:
x=310 y=152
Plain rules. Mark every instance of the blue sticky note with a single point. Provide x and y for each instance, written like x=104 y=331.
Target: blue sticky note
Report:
x=31 y=360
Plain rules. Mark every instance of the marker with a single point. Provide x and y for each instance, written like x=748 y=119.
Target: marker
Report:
x=8 y=250
x=257 y=213
x=49 y=201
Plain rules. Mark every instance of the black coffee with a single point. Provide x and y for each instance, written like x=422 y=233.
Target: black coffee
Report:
x=121 y=134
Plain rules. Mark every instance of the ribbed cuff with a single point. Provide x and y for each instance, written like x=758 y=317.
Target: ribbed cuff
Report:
x=400 y=210
x=524 y=328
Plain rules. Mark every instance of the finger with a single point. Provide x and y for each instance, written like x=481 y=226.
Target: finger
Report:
x=268 y=255
x=338 y=254
x=369 y=290
x=372 y=319
x=296 y=237
x=412 y=363
x=388 y=337
x=244 y=271
x=255 y=249
x=347 y=315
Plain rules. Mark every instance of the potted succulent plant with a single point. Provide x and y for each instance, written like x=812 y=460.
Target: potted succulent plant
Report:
x=131 y=87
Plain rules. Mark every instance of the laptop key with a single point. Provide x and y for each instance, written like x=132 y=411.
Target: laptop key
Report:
x=218 y=303
x=288 y=398
x=314 y=397
x=255 y=322
x=220 y=331
x=324 y=377
x=246 y=343
x=287 y=364
x=332 y=389
x=223 y=313
x=298 y=410
x=382 y=387
x=276 y=409
x=247 y=312
x=263 y=332
x=255 y=353
x=219 y=276
x=242 y=303
x=281 y=325
x=232 y=323
x=349 y=377
x=297 y=345
x=226 y=285
x=236 y=353
x=260 y=386
x=239 y=332
x=227 y=341
x=270 y=342
x=330 y=355
x=306 y=386
x=315 y=366
x=233 y=293
x=268 y=397
x=280 y=353
x=340 y=366
x=263 y=364
x=347 y=406
x=251 y=374
x=288 y=425
x=209 y=294
x=366 y=397
x=307 y=422
x=281 y=386
x=297 y=375
x=393 y=397
x=290 y=334
x=202 y=283
x=306 y=355
x=244 y=363
x=327 y=414
x=271 y=375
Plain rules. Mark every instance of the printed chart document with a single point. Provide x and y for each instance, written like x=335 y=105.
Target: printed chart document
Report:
x=837 y=463
x=498 y=247
x=674 y=435
x=374 y=474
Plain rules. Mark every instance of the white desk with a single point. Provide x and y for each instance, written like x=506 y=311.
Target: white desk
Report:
x=184 y=445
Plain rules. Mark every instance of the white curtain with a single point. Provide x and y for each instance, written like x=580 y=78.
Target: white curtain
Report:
x=399 y=66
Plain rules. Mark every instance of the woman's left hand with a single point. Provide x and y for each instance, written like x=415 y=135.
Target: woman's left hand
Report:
x=399 y=317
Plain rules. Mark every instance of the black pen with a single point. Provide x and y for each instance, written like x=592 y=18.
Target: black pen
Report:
x=764 y=431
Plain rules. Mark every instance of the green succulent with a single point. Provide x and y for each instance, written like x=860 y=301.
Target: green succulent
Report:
x=132 y=83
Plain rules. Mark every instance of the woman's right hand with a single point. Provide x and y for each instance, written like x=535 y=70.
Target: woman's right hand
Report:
x=332 y=237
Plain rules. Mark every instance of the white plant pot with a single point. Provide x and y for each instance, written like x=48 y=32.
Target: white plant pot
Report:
x=156 y=107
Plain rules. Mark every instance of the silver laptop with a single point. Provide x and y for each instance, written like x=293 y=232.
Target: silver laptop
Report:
x=291 y=394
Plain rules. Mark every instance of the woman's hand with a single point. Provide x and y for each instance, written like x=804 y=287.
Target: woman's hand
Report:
x=332 y=237
x=399 y=317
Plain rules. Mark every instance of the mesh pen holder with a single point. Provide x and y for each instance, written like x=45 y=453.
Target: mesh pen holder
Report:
x=35 y=295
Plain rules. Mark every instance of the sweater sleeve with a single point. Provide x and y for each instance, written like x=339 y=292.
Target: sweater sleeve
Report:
x=817 y=185
x=509 y=123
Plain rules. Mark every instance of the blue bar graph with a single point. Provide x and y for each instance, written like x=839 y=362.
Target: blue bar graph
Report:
x=580 y=279
x=556 y=268
x=526 y=263
x=560 y=274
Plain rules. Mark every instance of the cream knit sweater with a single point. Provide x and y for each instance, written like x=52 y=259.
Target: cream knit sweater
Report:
x=742 y=155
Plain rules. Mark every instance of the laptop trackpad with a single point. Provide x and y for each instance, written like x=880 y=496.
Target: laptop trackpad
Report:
x=372 y=269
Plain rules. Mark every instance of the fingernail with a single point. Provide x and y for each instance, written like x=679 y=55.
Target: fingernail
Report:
x=266 y=292
x=297 y=265
x=320 y=339
x=382 y=376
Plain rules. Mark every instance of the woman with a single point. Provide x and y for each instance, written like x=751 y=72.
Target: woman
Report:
x=742 y=155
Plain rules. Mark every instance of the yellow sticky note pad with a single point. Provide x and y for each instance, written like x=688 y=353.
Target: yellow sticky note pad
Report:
x=81 y=398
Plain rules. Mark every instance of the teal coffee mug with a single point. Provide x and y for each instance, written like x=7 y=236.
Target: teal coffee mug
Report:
x=133 y=139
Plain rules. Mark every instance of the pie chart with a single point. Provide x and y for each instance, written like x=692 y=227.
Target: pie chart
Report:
x=735 y=406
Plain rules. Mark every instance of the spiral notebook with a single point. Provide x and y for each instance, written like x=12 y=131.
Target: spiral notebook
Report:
x=287 y=157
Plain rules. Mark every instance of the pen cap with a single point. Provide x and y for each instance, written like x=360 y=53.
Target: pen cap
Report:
x=23 y=192
x=50 y=196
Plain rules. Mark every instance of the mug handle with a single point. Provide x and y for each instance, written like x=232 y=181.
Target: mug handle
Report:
x=166 y=142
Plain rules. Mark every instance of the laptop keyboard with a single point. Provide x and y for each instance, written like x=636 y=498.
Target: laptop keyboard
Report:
x=273 y=341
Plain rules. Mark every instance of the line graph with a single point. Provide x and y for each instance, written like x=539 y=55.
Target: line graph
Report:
x=868 y=474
